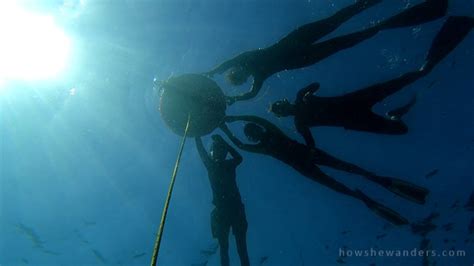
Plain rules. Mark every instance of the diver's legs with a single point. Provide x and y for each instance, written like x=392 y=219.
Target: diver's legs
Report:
x=366 y=120
x=224 y=248
x=400 y=187
x=376 y=93
x=241 y=242
x=314 y=31
x=239 y=228
x=384 y=212
x=322 y=158
x=454 y=30
x=427 y=11
x=322 y=50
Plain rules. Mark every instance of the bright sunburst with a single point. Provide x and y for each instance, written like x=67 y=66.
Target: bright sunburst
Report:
x=32 y=46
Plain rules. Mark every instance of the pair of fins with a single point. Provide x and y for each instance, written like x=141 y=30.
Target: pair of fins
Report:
x=399 y=187
x=454 y=30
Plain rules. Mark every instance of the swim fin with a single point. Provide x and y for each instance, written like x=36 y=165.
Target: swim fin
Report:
x=407 y=190
x=382 y=211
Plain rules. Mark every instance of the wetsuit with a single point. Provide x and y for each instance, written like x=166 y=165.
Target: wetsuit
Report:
x=305 y=160
x=298 y=49
x=228 y=212
x=354 y=110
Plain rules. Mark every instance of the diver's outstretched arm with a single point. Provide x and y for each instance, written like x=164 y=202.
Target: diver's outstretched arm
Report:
x=223 y=67
x=248 y=147
x=237 y=60
x=202 y=152
x=254 y=119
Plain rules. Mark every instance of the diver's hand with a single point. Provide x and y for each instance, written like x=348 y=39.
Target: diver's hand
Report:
x=230 y=100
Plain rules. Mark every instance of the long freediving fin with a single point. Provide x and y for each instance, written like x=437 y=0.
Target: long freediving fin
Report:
x=408 y=190
x=382 y=211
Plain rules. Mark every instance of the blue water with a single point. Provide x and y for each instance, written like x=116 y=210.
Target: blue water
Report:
x=83 y=175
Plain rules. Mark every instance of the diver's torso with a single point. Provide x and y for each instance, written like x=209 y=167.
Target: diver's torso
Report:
x=224 y=186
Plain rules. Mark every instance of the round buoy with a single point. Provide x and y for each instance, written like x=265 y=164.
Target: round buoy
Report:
x=194 y=96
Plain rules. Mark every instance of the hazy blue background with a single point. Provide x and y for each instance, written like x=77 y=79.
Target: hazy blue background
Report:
x=89 y=170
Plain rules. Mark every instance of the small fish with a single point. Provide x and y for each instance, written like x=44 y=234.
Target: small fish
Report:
x=455 y=205
x=340 y=261
x=432 y=83
x=139 y=255
x=345 y=232
x=446 y=241
x=263 y=260
x=87 y=223
x=25 y=261
x=99 y=256
x=471 y=226
x=207 y=252
x=425 y=243
x=200 y=264
x=381 y=236
x=425 y=226
x=431 y=174
x=470 y=203
x=448 y=227
x=372 y=264
x=31 y=234
x=50 y=252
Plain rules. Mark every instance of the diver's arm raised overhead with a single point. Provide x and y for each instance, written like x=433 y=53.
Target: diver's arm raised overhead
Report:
x=248 y=147
x=255 y=119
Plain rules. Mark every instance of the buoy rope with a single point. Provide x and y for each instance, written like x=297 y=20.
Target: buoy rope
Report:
x=159 y=236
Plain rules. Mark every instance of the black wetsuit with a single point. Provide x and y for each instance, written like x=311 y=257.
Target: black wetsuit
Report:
x=229 y=212
x=354 y=110
x=298 y=49
x=306 y=160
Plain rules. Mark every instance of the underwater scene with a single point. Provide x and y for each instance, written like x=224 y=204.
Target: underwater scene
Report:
x=238 y=132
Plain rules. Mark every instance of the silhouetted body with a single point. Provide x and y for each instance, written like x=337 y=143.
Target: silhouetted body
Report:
x=270 y=140
x=299 y=48
x=354 y=110
x=229 y=212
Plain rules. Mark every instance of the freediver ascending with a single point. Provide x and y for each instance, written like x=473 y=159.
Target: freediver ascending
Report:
x=354 y=110
x=298 y=49
x=229 y=212
x=270 y=140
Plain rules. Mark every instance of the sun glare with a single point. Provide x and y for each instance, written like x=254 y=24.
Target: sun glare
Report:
x=32 y=46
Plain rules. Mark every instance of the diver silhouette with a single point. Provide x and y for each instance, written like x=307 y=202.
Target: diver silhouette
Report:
x=354 y=110
x=298 y=49
x=229 y=212
x=270 y=140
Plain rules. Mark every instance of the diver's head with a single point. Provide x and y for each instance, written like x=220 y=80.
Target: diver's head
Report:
x=254 y=132
x=238 y=75
x=218 y=150
x=282 y=108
